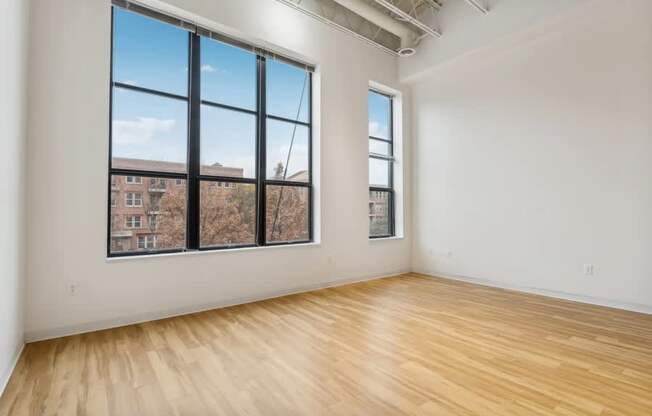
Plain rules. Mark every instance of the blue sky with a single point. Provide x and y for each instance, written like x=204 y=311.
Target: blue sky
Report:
x=379 y=122
x=154 y=55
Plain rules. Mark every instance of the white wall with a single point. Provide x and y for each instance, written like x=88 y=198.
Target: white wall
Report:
x=534 y=157
x=464 y=29
x=13 y=46
x=68 y=143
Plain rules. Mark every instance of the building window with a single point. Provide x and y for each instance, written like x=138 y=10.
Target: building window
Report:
x=152 y=222
x=114 y=197
x=381 y=165
x=157 y=183
x=146 y=242
x=133 y=221
x=231 y=127
x=134 y=199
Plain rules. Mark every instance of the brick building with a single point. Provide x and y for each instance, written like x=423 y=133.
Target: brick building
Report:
x=136 y=200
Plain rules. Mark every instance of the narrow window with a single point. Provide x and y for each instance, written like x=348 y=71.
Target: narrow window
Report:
x=211 y=140
x=381 y=166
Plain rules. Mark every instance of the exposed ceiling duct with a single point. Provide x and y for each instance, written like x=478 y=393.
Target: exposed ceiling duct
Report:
x=408 y=37
x=334 y=14
x=396 y=26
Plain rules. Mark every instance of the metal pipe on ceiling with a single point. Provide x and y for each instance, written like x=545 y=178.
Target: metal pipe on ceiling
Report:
x=433 y=4
x=329 y=22
x=407 y=17
x=478 y=6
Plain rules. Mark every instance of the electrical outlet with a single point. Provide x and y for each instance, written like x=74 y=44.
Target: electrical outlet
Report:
x=73 y=288
x=588 y=269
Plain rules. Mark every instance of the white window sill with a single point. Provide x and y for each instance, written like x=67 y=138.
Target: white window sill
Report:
x=208 y=252
x=396 y=237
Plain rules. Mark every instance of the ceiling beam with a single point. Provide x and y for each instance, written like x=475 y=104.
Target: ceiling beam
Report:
x=410 y=19
x=478 y=6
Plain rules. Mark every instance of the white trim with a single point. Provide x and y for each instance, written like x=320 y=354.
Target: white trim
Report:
x=223 y=251
x=41 y=335
x=574 y=297
x=4 y=381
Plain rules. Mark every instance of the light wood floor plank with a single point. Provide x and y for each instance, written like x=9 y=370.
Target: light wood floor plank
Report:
x=406 y=345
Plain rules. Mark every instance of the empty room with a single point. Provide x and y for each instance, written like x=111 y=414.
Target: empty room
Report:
x=326 y=207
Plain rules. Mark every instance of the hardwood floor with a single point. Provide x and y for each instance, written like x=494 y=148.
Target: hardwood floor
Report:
x=403 y=345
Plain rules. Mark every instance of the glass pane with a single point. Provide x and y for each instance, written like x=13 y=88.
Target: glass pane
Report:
x=148 y=214
x=287 y=151
x=228 y=74
x=148 y=132
x=379 y=115
x=379 y=147
x=379 y=211
x=228 y=143
x=150 y=54
x=227 y=214
x=288 y=92
x=287 y=216
x=378 y=172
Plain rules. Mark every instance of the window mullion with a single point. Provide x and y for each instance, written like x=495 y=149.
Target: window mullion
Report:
x=261 y=151
x=310 y=179
x=194 y=120
x=392 y=219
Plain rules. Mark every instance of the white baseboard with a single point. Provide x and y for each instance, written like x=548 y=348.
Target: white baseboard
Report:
x=610 y=303
x=41 y=335
x=4 y=378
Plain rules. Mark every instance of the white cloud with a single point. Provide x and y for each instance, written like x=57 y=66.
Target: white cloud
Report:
x=376 y=130
x=141 y=130
x=211 y=68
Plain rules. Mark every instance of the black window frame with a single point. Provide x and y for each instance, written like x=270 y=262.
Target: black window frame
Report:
x=389 y=189
x=193 y=176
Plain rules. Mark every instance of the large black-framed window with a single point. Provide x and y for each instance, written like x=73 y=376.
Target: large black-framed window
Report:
x=381 y=165
x=218 y=135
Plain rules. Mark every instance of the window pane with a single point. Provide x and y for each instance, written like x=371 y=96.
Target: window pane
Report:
x=287 y=151
x=149 y=214
x=150 y=54
x=379 y=172
x=379 y=211
x=379 y=147
x=379 y=115
x=227 y=214
x=287 y=91
x=228 y=74
x=228 y=143
x=287 y=216
x=148 y=132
